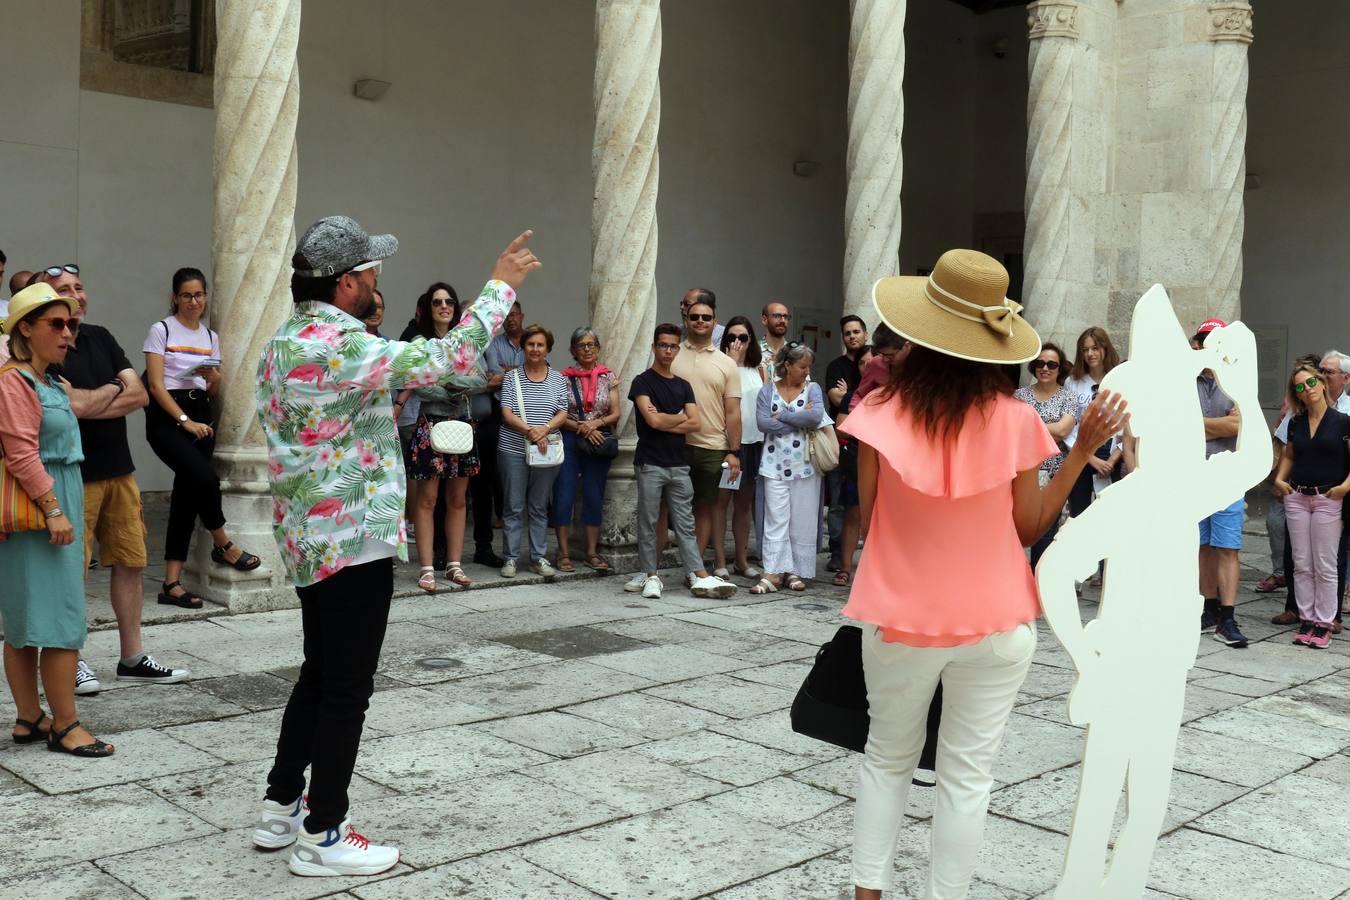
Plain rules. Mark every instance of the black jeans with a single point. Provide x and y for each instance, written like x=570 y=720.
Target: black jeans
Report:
x=196 y=487
x=485 y=492
x=344 y=618
x=1080 y=495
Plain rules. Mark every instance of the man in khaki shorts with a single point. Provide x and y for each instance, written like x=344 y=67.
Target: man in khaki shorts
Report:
x=717 y=388
x=104 y=389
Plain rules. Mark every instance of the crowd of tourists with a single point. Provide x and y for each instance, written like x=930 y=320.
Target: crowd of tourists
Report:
x=374 y=444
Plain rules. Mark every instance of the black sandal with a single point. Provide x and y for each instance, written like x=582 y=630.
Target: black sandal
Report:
x=89 y=751
x=246 y=562
x=188 y=600
x=34 y=733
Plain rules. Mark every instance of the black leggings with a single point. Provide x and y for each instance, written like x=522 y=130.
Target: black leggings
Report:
x=196 y=487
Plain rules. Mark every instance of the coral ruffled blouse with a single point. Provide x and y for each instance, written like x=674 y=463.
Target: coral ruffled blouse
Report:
x=943 y=565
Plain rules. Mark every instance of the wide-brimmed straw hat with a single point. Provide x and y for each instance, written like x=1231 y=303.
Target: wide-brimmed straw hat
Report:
x=962 y=310
x=30 y=298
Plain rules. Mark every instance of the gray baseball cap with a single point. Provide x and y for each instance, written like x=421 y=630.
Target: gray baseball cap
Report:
x=337 y=244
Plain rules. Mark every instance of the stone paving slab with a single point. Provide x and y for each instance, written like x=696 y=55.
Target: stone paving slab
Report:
x=1198 y=866
x=488 y=877
x=1296 y=815
x=144 y=753
x=626 y=780
x=652 y=717
x=78 y=881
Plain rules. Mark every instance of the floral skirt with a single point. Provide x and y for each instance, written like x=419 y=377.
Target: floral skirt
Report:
x=425 y=464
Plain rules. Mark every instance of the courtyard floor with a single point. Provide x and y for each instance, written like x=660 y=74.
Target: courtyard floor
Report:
x=572 y=740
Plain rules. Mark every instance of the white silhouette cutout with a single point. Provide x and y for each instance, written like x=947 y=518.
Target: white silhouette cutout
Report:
x=1133 y=658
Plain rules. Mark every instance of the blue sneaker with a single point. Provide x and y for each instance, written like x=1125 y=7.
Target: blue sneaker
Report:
x=1208 y=622
x=1227 y=632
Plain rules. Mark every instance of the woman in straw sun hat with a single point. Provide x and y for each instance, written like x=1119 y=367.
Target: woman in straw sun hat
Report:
x=947 y=473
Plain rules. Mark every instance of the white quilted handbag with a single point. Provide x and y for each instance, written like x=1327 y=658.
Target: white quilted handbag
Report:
x=452 y=436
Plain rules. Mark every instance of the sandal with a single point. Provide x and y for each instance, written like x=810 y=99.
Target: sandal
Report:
x=597 y=563
x=34 y=734
x=842 y=578
x=187 y=599
x=89 y=751
x=748 y=571
x=456 y=575
x=764 y=586
x=795 y=584
x=427 y=580
x=1271 y=583
x=565 y=564
x=246 y=562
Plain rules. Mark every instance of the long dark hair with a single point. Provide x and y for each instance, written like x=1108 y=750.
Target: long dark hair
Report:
x=425 y=326
x=938 y=390
x=753 y=356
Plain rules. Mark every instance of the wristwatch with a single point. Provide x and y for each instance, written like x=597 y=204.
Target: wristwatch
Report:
x=736 y=453
x=182 y=419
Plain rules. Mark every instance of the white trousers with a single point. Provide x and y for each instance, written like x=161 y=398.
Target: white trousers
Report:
x=791 y=525
x=979 y=684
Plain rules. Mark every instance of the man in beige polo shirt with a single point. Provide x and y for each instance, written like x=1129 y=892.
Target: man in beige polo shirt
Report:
x=717 y=443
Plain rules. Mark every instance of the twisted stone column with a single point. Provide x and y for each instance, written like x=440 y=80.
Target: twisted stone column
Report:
x=876 y=115
x=257 y=99
x=1053 y=32
x=625 y=166
x=1231 y=30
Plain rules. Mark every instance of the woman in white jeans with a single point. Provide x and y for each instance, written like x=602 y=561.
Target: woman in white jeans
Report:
x=947 y=478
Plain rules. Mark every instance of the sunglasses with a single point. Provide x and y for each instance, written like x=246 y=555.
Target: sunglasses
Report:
x=376 y=264
x=59 y=324
x=55 y=271
x=1037 y=364
x=739 y=338
x=1301 y=386
x=437 y=301
x=700 y=317
x=1327 y=372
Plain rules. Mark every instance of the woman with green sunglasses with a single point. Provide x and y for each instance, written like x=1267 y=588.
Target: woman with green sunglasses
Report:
x=1313 y=478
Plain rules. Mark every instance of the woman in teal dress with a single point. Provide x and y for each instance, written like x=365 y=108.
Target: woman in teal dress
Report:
x=42 y=604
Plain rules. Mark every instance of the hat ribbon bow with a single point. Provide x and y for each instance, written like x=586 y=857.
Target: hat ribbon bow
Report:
x=996 y=318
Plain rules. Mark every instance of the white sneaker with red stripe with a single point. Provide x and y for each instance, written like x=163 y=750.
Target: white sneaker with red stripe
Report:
x=339 y=851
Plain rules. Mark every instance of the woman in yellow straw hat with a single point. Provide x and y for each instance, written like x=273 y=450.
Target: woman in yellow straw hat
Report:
x=947 y=477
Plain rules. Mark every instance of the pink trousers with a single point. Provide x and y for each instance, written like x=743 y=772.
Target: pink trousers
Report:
x=1314 y=534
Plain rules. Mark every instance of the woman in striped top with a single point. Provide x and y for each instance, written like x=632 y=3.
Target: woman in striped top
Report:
x=534 y=406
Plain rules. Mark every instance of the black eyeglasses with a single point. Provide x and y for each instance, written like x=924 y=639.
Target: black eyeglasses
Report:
x=1037 y=364
x=1327 y=372
x=669 y=348
x=700 y=317
x=739 y=338
x=55 y=271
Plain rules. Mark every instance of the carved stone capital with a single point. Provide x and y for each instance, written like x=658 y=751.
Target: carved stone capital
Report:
x=1230 y=21
x=1053 y=18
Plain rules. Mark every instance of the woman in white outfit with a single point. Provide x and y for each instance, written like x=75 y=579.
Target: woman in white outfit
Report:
x=787 y=411
x=948 y=487
x=738 y=342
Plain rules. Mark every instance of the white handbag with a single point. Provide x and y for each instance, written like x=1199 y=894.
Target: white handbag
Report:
x=452 y=436
x=553 y=456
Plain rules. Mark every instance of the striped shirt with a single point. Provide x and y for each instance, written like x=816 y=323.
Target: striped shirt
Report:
x=543 y=399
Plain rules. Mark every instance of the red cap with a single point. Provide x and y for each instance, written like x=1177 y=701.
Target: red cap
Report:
x=1209 y=325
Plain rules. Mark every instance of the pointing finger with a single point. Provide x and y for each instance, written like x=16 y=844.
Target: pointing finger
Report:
x=520 y=241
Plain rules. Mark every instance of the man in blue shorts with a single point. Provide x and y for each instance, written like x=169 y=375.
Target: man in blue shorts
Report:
x=1221 y=532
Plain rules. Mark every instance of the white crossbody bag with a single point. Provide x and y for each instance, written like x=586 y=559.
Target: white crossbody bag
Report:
x=553 y=456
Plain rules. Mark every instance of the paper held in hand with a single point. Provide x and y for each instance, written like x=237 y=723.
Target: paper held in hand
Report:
x=727 y=481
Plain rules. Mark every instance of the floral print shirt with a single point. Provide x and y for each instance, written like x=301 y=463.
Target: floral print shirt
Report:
x=325 y=402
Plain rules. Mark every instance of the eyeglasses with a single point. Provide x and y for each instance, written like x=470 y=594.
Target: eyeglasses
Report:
x=1036 y=364
x=1301 y=386
x=59 y=325
x=376 y=264
x=784 y=316
x=1327 y=372
x=669 y=348
x=700 y=317
x=739 y=338
x=588 y=345
x=194 y=297
x=55 y=271
x=442 y=301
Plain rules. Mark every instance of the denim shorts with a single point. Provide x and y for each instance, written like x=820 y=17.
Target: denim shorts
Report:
x=1223 y=529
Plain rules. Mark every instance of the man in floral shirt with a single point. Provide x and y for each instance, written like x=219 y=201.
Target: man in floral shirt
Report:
x=324 y=401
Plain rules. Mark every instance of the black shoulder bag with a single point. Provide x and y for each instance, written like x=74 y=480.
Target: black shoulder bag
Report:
x=609 y=447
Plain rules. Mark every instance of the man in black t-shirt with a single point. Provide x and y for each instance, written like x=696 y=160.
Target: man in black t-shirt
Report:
x=104 y=388
x=666 y=413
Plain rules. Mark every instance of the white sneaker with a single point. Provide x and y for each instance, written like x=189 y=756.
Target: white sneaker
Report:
x=712 y=587
x=86 y=682
x=651 y=588
x=279 y=823
x=636 y=583
x=509 y=569
x=542 y=567
x=339 y=851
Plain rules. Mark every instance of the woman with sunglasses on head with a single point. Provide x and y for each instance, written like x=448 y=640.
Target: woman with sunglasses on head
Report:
x=437 y=313
x=1313 y=478
x=42 y=603
x=948 y=470
x=739 y=343
x=1058 y=409
x=182 y=374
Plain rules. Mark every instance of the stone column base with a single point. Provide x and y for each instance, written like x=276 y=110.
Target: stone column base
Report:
x=247 y=501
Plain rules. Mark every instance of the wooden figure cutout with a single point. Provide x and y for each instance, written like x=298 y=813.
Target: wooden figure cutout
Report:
x=1133 y=658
